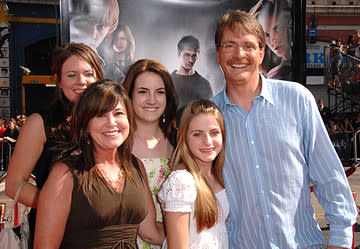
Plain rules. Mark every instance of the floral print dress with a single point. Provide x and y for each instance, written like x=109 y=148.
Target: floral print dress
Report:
x=157 y=170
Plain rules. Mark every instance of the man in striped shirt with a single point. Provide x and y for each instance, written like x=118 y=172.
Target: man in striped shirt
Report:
x=276 y=146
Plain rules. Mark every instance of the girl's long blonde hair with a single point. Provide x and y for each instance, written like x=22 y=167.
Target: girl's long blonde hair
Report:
x=206 y=209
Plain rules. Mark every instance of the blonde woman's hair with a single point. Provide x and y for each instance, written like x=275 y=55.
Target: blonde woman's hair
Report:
x=206 y=209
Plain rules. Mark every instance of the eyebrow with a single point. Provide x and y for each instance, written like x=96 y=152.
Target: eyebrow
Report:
x=145 y=88
x=75 y=71
x=196 y=131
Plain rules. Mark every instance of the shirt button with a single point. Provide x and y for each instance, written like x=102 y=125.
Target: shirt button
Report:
x=257 y=166
x=267 y=216
x=252 y=142
x=262 y=191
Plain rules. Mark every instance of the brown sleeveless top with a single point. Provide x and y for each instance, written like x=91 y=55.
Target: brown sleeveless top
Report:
x=105 y=219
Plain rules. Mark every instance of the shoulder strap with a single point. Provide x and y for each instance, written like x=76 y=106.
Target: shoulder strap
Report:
x=44 y=117
x=136 y=163
x=16 y=198
x=18 y=192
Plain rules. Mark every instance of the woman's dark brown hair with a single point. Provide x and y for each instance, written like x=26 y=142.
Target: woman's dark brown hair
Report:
x=146 y=65
x=99 y=98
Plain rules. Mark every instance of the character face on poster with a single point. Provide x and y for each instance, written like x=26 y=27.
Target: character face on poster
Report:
x=114 y=27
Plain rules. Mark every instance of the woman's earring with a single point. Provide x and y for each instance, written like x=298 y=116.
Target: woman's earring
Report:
x=163 y=120
x=88 y=140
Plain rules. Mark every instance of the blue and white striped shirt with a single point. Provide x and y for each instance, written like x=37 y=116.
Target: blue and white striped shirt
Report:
x=273 y=153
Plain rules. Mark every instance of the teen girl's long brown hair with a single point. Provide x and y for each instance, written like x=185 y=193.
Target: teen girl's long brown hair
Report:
x=206 y=209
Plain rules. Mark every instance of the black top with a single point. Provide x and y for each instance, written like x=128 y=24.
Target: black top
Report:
x=42 y=167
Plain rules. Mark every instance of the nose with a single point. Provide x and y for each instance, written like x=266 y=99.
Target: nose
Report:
x=240 y=51
x=93 y=32
x=82 y=79
x=151 y=98
x=111 y=120
x=207 y=139
x=273 y=38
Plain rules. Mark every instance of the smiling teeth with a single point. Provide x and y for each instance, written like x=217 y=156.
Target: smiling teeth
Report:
x=79 y=91
x=238 y=65
x=150 y=109
x=111 y=133
x=207 y=150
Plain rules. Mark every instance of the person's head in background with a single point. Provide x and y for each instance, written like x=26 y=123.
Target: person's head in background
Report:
x=74 y=67
x=4 y=72
x=2 y=123
x=321 y=103
x=11 y=124
x=188 y=51
x=20 y=120
x=357 y=33
x=91 y=113
x=275 y=17
x=139 y=83
x=92 y=20
x=122 y=41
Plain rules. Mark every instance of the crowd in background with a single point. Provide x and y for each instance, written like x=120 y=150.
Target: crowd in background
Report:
x=9 y=132
x=341 y=129
x=345 y=56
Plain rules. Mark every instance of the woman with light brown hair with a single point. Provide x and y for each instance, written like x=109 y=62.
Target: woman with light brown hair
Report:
x=193 y=197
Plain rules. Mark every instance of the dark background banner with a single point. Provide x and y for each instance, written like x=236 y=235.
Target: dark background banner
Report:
x=158 y=25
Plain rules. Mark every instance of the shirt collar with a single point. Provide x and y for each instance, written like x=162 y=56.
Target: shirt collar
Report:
x=265 y=93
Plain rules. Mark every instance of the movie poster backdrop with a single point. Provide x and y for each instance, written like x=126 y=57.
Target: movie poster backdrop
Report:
x=152 y=29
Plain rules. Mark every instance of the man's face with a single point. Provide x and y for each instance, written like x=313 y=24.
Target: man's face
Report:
x=188 y=58
x=239 y=56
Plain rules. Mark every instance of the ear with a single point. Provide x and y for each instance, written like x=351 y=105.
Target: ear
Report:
x=178 y=54
x=262 y=54
x=56 y=78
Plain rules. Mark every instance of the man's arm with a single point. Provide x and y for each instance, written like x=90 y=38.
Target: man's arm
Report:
x=327 y=173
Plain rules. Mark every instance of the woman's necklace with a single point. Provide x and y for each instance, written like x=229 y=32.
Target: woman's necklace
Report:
x=116 y=181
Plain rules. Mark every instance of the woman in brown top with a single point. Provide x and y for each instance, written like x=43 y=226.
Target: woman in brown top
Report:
x=97 y=195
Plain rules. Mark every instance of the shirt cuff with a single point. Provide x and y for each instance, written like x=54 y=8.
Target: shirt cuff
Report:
x=341 y=236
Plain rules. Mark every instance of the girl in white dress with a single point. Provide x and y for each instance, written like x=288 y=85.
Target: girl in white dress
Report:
x=193 y=198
